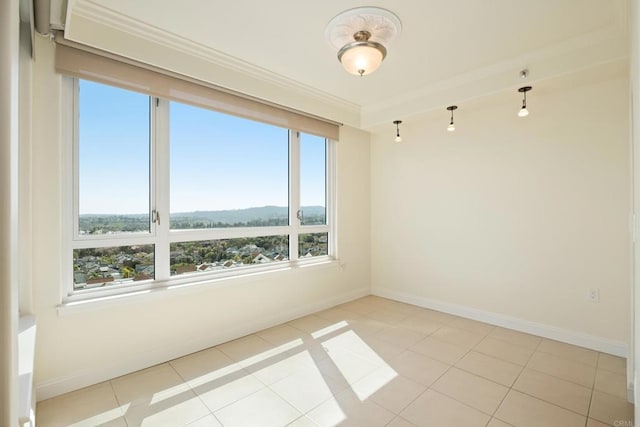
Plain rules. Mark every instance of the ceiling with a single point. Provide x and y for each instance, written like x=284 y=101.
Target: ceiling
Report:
x=447 y=52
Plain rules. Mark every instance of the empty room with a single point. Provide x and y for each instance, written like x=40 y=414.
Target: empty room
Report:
x=331 y=214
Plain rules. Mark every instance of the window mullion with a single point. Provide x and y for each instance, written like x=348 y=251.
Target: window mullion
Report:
x=294 y=192
x=69 y=132
x=331 y=197
x=225 y=233
x=75 y=156
x=160 y=186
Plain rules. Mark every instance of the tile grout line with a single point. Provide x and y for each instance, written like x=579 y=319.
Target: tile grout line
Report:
x=559 y=378
x=567 y=358
x=391 y=323
x=429 y=387
x=471 y=373
x=185 y=382
x=515 y=380
x=471 y=349
x=536 y=349
x=408 y=349
x=592 y=390
x=552 y=403
x=113 y=390
x=242 y=369
x=499 y=338
x=438 y=378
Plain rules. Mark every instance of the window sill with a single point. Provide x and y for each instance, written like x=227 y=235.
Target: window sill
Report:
x=179 y=286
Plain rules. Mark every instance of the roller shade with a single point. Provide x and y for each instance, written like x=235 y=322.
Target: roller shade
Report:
x=91 y=64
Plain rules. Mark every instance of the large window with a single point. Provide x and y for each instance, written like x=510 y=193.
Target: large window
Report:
x=164 y=191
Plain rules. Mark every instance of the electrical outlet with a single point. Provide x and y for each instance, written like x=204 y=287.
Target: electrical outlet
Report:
x=593 y=295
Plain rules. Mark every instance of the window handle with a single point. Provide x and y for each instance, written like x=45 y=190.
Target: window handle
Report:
x=299 y=214
x=155 y=217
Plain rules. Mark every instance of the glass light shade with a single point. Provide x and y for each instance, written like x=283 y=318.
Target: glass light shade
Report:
x=451 y=127
x=361 y=60
x=523 y=112
x=398 y=138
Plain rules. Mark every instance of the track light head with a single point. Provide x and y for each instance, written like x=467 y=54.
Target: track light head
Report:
x=398 y=137
x=523 y=111
x=451 y=126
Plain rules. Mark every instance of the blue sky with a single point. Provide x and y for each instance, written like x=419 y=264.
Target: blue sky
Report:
x=217 y=161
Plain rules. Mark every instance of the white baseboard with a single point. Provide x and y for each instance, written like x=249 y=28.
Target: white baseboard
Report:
x=616 y=348
x=57 y=386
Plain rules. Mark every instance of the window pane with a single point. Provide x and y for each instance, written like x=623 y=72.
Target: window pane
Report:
x=96 y=267
x=214 y=255
x=226 y=171
x=313 y=178
x=313 y=244
x=114 y=159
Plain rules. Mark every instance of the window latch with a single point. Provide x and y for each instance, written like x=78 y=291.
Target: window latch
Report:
x=299 y=215
x=155 y=217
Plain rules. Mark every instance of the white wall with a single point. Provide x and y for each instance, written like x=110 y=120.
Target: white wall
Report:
x=512 y=220
x=85 y=347
x=9 y=81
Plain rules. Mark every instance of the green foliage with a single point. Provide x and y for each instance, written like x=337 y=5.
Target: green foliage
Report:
x=127 y=272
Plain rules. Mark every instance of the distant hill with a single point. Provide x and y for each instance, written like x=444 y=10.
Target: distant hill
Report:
x=247 y=215
x=250 y=217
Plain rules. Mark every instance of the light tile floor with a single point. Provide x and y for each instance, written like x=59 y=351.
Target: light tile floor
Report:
x=369 y=362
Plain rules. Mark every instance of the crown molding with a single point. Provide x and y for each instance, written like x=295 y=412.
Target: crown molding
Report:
x=609 y=44
x=103 y=28
x=98 y=26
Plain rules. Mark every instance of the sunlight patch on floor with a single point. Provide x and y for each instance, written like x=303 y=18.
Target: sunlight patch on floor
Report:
x=329 y=329
x=103 y=418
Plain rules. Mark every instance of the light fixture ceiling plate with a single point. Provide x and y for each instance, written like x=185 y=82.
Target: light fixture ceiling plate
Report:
x=383 y=25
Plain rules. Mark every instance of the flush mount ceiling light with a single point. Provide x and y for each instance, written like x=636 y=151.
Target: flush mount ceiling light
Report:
x=451 y=126
x=361 y=35
x=398 y=137
x=523 y=111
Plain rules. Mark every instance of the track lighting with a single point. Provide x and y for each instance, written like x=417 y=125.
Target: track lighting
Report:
x=397 y=123
x=451 y=126
x=523 y=111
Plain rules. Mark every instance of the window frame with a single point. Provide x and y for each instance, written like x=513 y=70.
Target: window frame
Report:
x=150 y=235
x=160 y=234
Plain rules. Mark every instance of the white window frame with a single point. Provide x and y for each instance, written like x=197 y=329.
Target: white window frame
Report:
x=160 y=234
